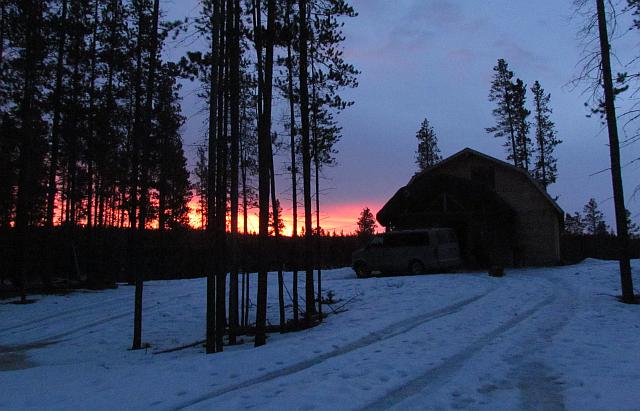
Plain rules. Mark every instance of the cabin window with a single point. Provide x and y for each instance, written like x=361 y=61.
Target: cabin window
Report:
x=485 y=176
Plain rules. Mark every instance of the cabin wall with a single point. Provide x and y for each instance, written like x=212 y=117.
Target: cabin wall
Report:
x=538 y=226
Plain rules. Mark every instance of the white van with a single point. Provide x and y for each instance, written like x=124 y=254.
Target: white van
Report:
x=413 y=251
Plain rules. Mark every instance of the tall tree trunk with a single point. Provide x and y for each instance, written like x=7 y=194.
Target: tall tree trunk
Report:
x=294 y=182
x=163 y=106
x=234 y=6
x=264 y=145
x=514 y=145
x=57 y=107
x=276 y=234
x=626 y=280
x=541 y=147
x=306 y=163
x=3 y=23
x=316 y=162
x=148 y=115
x=245 y=222
x=211 y=177
x=31 y=12
x=221 y=189
x=92 y=115
x=90 y=145
x=134 y=251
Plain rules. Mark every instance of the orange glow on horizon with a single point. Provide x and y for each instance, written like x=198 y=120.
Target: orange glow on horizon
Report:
x=334 y=218
x=338 y=218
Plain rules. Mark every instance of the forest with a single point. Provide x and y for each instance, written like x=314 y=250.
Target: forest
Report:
x=92 y=152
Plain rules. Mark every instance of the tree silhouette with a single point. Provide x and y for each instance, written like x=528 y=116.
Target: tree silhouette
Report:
x=366 y=225
x=428 y=153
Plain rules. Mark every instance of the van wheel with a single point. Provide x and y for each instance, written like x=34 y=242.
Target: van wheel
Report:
x=362 y=271
x=416 y=267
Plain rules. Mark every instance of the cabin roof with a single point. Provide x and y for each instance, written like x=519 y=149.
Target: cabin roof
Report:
x=471 y=152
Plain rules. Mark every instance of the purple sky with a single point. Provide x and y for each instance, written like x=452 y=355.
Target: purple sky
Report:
x=434 y=59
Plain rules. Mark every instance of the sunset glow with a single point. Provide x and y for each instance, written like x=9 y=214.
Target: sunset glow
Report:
x=338 y=218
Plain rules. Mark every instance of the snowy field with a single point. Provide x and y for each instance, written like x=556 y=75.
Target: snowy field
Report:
x=552 y=338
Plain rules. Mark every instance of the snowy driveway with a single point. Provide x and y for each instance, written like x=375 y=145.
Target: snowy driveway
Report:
x=537 y=339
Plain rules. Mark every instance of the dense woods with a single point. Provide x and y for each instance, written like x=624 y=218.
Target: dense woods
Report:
x=89 y=110
x=91 y=135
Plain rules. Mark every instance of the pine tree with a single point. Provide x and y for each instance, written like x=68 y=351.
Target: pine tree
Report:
x=428 y=153
x=573 y=224
x=598 y=67
x=524 y=148
x=171 y=176
x=634 y=229
x=264 y=162
x=366 y=225
x=501 y=93
x=201 y=172
x=235 y=68
x=593 y=218
x=329 y=73
x=280 y=223
x=305 y=130
x=288 y=91
x=545 y=170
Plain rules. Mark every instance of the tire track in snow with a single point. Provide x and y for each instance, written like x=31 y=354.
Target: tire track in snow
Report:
x=84 y=309
x=386 y=333
x=535 y=379
x=122 y=314
x=435 y=377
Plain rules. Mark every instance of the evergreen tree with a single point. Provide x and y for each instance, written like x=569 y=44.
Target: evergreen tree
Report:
x=305 y=147
x=170 y=177
x=523 y=142
x=280 y=223
x=593 y=219
x=603 y=230
x=366 y=225
x=428 y=153
x=634 y=229
x=501 y=93
x=573 y=224
x=329 y=73
x=597 y=66
x=201 y=185
x=545 y=170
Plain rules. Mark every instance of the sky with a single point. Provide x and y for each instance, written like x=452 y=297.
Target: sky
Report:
x=434 y=59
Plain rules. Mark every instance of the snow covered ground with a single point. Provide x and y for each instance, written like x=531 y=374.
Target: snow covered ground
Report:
x=552 y=338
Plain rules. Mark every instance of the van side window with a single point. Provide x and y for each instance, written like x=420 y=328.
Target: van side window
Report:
x=406 y=240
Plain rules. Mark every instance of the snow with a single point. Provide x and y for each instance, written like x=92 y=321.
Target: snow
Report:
x=547 y=338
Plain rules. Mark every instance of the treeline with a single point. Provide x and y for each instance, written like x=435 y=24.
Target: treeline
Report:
x=88 y=110
x=591 y=222
x=176 y=254
x=91 y=134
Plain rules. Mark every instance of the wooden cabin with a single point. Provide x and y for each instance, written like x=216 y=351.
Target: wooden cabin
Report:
x=501 y=215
